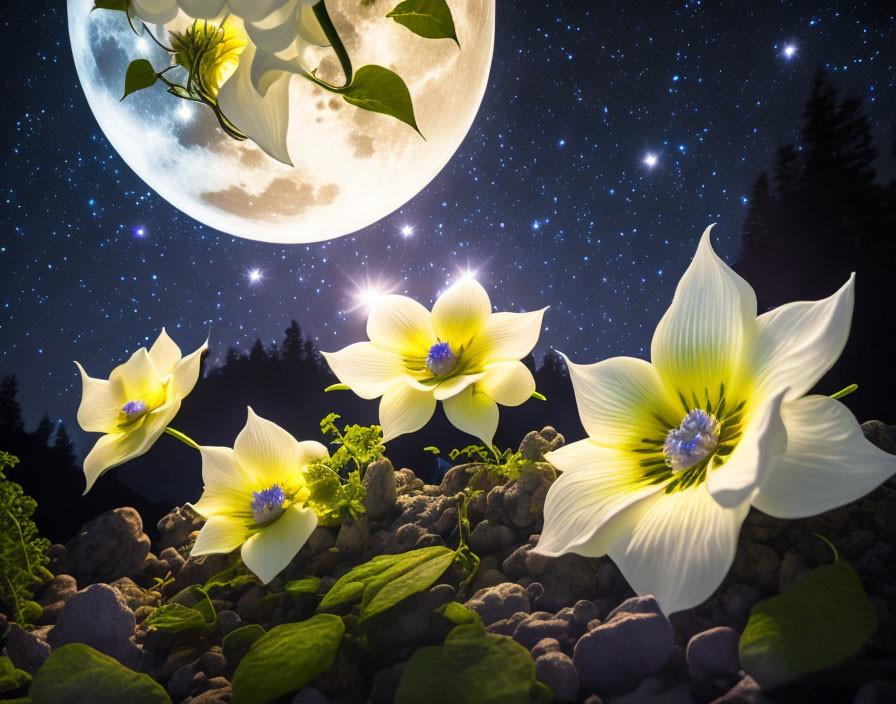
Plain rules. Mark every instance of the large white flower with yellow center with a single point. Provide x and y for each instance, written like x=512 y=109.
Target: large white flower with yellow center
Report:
x=255 y=497
x=461 y=354
x=135 y=404
x=680 y=448
x=251 y=48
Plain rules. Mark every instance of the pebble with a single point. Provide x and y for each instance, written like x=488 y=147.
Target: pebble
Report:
x=111 y=546
x=558 y=672
x=382 y=495
x=713 y=654
x=538 y=626
x=55 y=596
x=25 y=649
x=499 y=602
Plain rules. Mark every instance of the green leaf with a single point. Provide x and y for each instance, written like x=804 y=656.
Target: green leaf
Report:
x=815 y=624
x=196 y=598
x=140 y=75
x=472 y=667
x=122 y=5
x=459 y=614
x=305 y=585
x=78 y=673
x=387 y=579
x=406 y=583
x=286 y=658
x=428 y=18
x=232 y=576
x=378 y=89
x=176 y=618
x=240 y=640
x=12 y=678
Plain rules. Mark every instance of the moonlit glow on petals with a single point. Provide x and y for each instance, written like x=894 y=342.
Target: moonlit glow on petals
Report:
x=136 y=404
x=507 y=336
x=454 y=385
x=507 y=383
x=255 y=10
x=154 y=11
x=400 y=324
x=366 y=369
x=679 y=449
x=220 y=534
x=265 y=450
x=202 y=9
x=267 y=552
x=474 y=413
x=460 y=312
x=405 y=410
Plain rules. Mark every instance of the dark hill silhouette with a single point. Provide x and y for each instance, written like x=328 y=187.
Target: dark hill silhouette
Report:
x=819 y=217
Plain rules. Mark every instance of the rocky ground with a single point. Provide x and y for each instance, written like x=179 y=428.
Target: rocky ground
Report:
x=591 y=638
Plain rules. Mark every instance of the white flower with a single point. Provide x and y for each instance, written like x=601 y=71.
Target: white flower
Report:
x=255 y=497
x=680 y=448
x=135 y=404
x=461 y=354
x=277 y=38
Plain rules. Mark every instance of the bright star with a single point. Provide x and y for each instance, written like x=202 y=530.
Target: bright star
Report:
x=254 y=276
x=370 y=293
x=139 y=232
x=650 y=160
x=184 y=112
x=789 y=51
x=407 y=231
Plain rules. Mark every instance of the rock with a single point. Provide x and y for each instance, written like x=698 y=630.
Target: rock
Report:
x=382 y=494
x=558 y=672
x=455 y=480
x=410 y=620
x=538 y=626
x=880 y=434
x=566 y=579
x=151 y=569
x=110 y=546
x=537 y=444
x=713 y=654
x=546 y=645
x=499 y=602
x=487 y=537
x=578 y=617
x=507 y=626
x=98 y=616
x=173 y=559
x=25 y=649
x=175 y=527
x=55 y=596
x=354 y=536
x=634 y=642
x=738 y=600
x=406 y=481
x=213 y=663
x=876 y=692
x=794 y=569
x=746 y=691
x=311 y=695
x=133 y=595
x=321 y=539
x=758 y=564
x=57 y=554
x=218 y=692
x=185 y=681
x=520 y=503
x=228 y=621
x=385 y=683
x=487 y=578
x=198 y=570
x=654 y=690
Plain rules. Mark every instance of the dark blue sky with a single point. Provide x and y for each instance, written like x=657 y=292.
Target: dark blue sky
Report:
x=549 y=198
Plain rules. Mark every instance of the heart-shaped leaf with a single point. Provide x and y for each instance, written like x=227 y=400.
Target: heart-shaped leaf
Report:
x=140 y=75
x=815 y=624
x=428 y=18
x=378 y=89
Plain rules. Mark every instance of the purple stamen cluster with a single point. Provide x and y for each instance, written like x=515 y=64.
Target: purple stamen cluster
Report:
x=267 y=504
x=441 y=360
x=134 y=409
x=694 y=440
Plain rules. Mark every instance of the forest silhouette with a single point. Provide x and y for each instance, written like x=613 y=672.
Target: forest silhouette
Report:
x=821 y=215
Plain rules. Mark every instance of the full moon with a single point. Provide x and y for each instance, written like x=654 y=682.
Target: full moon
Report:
x=351 y=167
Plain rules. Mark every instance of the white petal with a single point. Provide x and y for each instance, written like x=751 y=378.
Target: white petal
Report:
x=276 y=31
x=164 y=354
x=506 y=337
x=220 y=534
x=798 y=342
x=154 y=11
x=762 y=445
x=473 y=413
x=117 y=448
x=596 y=485
x=622 y=401
x=101 y=403
x=255 y=10
x=202 y=9
x=404 y=409
x=507 y=383
x=679 y=546
x=454 y=385
x=828 y=462
x=227 y=488
x=400 y=324
x=264 y=120
x=186 y=372
x=366 y=369
x=140 y=379
x=266 y=452
x=459 y=312
x=705 y=337
x=309 y=27
x=272 y=548
x=310 y=450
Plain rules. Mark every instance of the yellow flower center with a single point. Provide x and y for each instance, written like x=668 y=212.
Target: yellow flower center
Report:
x=210 y=53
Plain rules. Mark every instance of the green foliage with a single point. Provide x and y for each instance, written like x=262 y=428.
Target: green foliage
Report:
x=332 y=499
x=427 y=18
x=11 y=678
x=22 y=550
x=233 y=575
x=189 y=612
x=388 y=579
x=287 y=658
x=121 y=5
x=140 y=75
x=359 y=445
x=303 y=586
x=815 y=624
x=238 y=641
x=471 y=667
x=78 y=673
x=458 y=614
x=378 y=89
x=507 y=464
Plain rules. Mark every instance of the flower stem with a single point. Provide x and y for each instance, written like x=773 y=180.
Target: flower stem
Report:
x=180 y=436
x=845 y=392
x=320 y=12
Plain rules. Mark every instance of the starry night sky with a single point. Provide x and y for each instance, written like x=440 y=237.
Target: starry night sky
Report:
x=551 y=198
